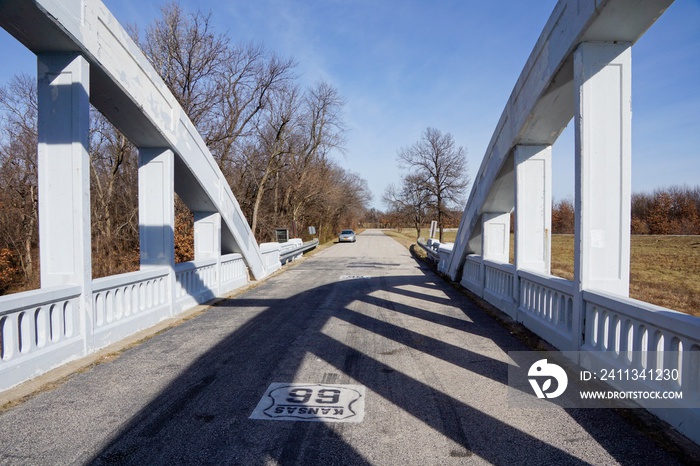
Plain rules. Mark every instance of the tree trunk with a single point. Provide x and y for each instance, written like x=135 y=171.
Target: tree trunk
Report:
x=258 y=200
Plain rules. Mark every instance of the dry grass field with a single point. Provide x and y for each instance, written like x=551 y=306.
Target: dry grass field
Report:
x=665 y=270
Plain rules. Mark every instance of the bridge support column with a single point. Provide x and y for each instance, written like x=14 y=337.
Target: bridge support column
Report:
x=207 y=240
x=157 y=207
x=64 y=177
x=533 y=207
x=602 y=79
x=157 y=212
x=603 y=120
x=496 y=237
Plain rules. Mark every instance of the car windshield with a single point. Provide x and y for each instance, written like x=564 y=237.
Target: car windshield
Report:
x=346 y=232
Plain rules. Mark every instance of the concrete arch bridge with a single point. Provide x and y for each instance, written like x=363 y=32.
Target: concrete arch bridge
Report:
x=580 y=69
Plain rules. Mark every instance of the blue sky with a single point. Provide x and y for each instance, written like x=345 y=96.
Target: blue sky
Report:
x=404 y=65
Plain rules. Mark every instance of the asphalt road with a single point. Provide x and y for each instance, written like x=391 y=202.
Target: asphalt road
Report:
x=432 y=365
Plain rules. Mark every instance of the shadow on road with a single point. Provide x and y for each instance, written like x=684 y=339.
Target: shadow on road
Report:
x=203 y=415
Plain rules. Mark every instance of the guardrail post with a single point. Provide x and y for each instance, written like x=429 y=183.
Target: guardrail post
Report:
x=157 y=212
x=603 y=116
x=64 y=178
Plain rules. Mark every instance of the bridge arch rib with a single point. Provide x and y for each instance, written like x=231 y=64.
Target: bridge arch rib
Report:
x=580 y=69
x=126 y=89
x=84 y=56
x=542 y=102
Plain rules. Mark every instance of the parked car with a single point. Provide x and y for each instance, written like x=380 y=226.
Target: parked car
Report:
x=346 y=236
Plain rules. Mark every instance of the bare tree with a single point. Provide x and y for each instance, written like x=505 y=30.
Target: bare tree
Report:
x=410 y=201
x=674 y=210
x=114 y=199
x=274 y=144
x=225 y=90
x=440 y=167
x=18 y=175
x=188 y=56
x=563 y=217
x=333 y=198
x=114 y=211
x=271 y=141
x=355 y=196
x=321 y=129
x=222 y=87
x=251 y=84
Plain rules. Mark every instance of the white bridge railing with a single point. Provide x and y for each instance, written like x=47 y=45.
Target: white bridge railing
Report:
x=123 y=304
x=623 y=331
x=39 y=330
x=499 y=285
x=615 y=331
x=98 y=63
x=580 y=71
x=547 y=305
x=200 y=281
x=43 y=329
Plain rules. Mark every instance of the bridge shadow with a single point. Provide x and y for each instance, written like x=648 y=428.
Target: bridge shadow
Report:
x=202 y=416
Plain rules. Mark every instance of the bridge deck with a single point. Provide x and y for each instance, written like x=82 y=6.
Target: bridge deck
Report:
x=433 y=366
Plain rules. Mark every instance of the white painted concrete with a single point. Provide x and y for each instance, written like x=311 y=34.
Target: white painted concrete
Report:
x=542 y=102
x=63 y=85
x=580 y=68
x=207 y=241
x=533 y=210
x=156 y=207
x=496 y=237
x=576 y=68
x=603 y=127
x=207 y=235
x=129 y=92
x=85 y=56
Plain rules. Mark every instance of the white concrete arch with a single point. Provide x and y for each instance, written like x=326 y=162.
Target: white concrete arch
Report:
x=580 y=69
x=85 y=56
x=127 y=90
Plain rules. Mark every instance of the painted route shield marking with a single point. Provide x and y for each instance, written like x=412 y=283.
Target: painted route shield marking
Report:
x=354 y=277
x=312 y=403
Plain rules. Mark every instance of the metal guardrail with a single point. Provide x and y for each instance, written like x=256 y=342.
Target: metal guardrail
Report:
x=431 y=249
x=289 y=255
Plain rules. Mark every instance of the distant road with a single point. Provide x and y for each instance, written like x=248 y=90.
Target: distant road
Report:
x=362 y=319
